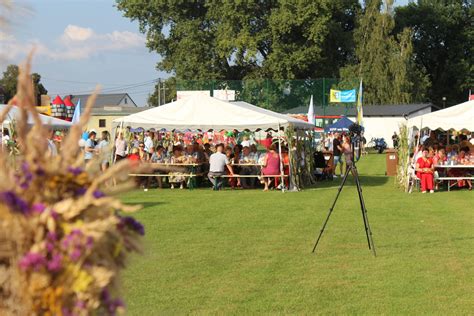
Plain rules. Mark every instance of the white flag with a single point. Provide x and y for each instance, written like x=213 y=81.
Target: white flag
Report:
x=311 y=118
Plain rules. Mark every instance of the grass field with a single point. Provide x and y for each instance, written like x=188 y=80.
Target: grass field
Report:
x=240 y=252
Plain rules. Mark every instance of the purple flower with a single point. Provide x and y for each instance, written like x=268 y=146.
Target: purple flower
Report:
x=80 y=191
x=80 y=304
x=40 y=172
x=52 y=236
x=54 y=264
x=98 y=194
x=76 y=254
x=111 y=305
x=33 y=260
x=132 y=224
x=89 y=242
x=49 y=247
x=14 y=202
x=38 y=207
x=75 y=171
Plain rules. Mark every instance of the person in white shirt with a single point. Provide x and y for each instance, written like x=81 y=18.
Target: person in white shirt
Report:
x=148 y=141
x=52 y=149
x=217 y=164
x=120 y=148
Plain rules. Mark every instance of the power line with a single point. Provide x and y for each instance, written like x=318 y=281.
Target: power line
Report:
x=114 y=89
x=81 y=82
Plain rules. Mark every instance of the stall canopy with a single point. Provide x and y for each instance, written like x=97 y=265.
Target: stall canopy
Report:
x=204 y=113
x=458 y=117
x=14 y=114
x=341 y=125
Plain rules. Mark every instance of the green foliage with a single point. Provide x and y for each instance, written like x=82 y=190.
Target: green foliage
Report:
x=248 y=252
x=403 y=158
x=165 y=92
x=247 y=39
x=384 y=59
x=9 y=83
x=443 y=43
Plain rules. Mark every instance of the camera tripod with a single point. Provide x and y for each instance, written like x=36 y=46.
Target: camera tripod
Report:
x=351 y=169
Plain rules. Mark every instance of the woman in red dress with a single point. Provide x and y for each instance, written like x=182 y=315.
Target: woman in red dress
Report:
x=424 y=171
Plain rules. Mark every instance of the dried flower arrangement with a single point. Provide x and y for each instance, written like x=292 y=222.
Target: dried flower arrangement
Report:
x=62 y=240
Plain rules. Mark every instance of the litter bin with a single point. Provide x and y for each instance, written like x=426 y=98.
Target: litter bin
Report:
x=391 y=160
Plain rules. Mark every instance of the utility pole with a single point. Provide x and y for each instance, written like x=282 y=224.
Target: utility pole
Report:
x=159 y=92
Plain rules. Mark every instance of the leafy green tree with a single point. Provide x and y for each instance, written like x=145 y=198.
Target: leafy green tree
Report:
x=443 y=43
x=383 y=60
x=9 y=83
x=247 y=39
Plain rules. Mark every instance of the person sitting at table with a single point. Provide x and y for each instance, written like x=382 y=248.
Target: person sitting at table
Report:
x=207 y=151
x=218 y=162
x=439 y=159
x=157 y=156
x=254 y=151
x=424 y=169
x=141 y=152
x=460 y=172
x=177 y=177
x=229 y=153
x=271 y=166
x=247 y=157
x=235 y=162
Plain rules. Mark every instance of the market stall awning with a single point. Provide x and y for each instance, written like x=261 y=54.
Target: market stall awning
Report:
x=14 y=114
x=458 y=117
x=342 y=125
x=204 y=113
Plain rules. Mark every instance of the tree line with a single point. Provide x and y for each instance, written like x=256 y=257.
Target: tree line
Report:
x=419 y=52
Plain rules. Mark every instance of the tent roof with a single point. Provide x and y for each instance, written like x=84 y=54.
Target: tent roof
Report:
x=47 y=120
x=342 y=125
x=57 y=100
x=67 y=101
x=201 y=112
x=457 y=117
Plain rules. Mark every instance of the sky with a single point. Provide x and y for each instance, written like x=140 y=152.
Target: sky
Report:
x=81 y=43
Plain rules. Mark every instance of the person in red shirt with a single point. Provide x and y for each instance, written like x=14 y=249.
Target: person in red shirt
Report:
x=424 y=171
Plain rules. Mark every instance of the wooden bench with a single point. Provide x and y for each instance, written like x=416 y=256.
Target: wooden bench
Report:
x=453 y=179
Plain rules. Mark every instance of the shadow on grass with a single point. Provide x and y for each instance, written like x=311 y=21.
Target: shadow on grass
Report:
x=369 y=181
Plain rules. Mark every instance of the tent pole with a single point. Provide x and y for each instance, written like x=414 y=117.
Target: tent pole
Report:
x=282 y=182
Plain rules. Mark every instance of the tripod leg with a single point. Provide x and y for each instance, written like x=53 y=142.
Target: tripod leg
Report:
x=332 y=208
x=368 y=231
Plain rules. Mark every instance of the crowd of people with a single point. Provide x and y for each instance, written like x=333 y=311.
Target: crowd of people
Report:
x=339 y=144
x=182 y=162
x=431 y=156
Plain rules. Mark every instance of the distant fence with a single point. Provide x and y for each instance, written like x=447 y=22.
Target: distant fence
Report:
x=278 y=95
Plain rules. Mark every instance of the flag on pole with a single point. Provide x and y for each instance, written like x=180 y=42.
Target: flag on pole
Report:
x=342 y=96
x=311 y=112
x=77 y=113
x=360 y=112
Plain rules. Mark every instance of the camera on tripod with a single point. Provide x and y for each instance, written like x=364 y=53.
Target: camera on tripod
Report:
x=355 y=131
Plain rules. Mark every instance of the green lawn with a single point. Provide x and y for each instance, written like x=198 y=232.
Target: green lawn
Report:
x=240 y=252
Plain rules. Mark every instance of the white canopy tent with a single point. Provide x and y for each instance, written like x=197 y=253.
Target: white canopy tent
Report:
x=204 y=113
x=15 y=113
x=458 y=117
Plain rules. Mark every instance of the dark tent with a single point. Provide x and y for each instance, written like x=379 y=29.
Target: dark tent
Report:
x=342 y=125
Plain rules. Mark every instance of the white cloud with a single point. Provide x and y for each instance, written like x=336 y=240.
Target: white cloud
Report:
x=74 y=33
x=74 y=43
